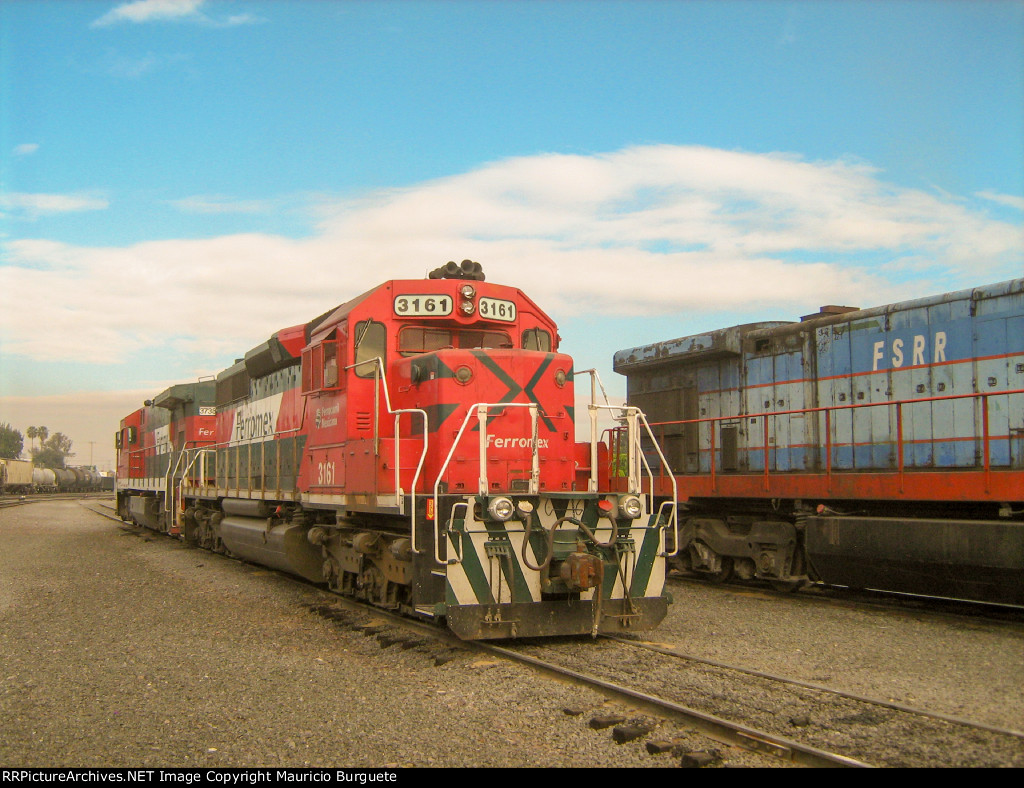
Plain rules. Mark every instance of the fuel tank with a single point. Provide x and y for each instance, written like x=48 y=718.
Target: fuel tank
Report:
x=283 y=546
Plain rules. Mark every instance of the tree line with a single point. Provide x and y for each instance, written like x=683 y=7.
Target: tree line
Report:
x=52 y=452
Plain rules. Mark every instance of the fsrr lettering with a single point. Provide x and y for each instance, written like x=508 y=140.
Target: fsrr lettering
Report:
x=917 y=351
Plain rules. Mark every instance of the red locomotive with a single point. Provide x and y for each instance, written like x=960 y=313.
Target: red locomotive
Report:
x=414 y=447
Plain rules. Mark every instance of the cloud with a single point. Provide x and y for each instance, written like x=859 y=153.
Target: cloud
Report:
x=1003 y=199
x=653 y=230
x=32 y=206
x=138 y=66
x=27 y=149
x=143 y=11
x=150 y=11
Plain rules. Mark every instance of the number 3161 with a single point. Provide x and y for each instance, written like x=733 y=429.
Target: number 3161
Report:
x=325 y=474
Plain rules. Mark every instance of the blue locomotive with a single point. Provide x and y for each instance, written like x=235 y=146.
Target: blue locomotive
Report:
x=875 y=448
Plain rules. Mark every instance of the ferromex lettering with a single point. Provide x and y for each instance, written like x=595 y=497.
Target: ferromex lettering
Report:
x=257 y=420
x=515 y=443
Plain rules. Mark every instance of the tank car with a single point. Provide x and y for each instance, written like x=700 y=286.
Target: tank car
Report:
x=415 y=447
x=873 y=448
x=67 y=480
x=44 y=480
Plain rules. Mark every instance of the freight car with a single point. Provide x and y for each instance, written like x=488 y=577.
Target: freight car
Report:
x=22 y=476
x=16 y=477
x=414 y=447
x=871 y=448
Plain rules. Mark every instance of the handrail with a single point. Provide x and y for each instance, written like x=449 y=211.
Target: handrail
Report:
x=197 y=452
x=595 y=382
x=169 y=477
x=673 y=519
x=481 y=409
x=634 y=456
x=900 y=443
x=380 y=382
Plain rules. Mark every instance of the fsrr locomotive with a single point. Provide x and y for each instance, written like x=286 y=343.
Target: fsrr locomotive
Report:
x=414 y=447
x=879 y=448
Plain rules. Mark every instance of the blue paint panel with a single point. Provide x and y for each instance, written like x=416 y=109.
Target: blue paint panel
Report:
x=904 y=353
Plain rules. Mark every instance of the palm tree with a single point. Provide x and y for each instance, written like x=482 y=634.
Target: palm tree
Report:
x=31 y=433
x=43 y=434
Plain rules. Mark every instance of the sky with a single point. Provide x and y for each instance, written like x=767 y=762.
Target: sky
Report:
x=179 y=179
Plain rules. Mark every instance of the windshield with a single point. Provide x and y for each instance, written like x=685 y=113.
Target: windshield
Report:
x=413 y=340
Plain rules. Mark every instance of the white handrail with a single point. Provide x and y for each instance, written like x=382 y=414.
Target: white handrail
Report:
x=481 y=409
x=635 y=456
x=380 y=382
x=674 y=520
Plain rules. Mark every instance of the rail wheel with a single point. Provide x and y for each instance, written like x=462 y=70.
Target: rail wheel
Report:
x=724 y=572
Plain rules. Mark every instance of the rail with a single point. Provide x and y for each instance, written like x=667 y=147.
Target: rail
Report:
x=831 y=446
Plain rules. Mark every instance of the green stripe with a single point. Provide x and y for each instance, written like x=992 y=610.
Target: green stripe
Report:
x=511 y=569
x=645 y=561
x=474 y=569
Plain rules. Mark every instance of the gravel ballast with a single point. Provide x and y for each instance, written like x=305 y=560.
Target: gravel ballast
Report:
x=124 y=649
x=127 y=649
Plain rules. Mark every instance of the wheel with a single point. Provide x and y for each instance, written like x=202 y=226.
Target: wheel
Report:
x=724 y=573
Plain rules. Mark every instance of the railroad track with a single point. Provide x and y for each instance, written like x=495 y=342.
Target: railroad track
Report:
x=389 y=628
x=867 y=731
x=730 y=704
x=8 y=501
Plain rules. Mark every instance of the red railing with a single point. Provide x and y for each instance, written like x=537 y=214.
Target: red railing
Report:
x=829 y=446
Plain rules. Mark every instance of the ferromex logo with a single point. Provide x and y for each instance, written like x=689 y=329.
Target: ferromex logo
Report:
x=327 y=417
x=256 y=421
x=493 y=441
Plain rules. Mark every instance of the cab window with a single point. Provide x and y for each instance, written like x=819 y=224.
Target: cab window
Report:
x=331 y=376
x=370 y=339
x=537 y=339
x=322 y=366
x=413 y=340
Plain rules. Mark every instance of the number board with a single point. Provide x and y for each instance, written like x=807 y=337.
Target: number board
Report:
x=497 y=309
x=423 y=305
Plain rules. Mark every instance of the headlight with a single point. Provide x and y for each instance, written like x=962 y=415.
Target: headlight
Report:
x=467 y=307
x=524 y=508
x=467 y=291
x=501 y=509
x=630 y=506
